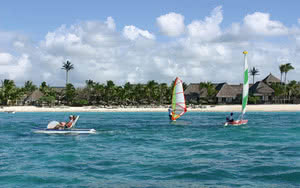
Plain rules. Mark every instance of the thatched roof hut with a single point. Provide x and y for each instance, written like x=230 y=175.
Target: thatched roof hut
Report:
x=271 y=79
x=193 y=92
x=230 y=91
x=260 y=88
x=219 y=86
x=34 y=97
x=194 y=89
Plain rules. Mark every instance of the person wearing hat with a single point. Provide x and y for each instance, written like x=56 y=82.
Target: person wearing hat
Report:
x=63 y=125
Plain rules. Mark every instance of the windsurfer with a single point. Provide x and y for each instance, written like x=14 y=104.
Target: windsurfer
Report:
x=170 y=113
x=63 y=125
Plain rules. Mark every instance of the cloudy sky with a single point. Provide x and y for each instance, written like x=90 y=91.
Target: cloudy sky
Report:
x=138 y=41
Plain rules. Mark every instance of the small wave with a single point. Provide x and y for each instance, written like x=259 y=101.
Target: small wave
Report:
x=206 y=175
x=110 y=132
x=188 y=139
x=290 y=177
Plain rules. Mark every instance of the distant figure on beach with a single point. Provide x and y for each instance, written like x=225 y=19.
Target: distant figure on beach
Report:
x=170 y=113
x=230 y=119
x=64 y=125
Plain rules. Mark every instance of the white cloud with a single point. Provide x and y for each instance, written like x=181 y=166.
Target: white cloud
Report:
x=208 y=29
x=16 y=70
x=260 y=23
x=5 y=58
x=99 y=52
x=18 y=44
x=255 y=26
x=171 y=24
x=131 y=32
x=111 y=23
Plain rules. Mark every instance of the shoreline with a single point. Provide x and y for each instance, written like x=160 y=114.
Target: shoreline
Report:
x=205 y=108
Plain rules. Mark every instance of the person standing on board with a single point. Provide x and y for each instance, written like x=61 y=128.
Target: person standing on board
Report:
x=170 y=113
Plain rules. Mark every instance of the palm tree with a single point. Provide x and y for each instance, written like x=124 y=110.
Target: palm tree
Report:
x=9 y=91
x=99 y=92
x=152 y=91
x=281 y=68
x=90 y=84
x=29 y=87
x=211 y=90
x=70 y=94
x=254 y=72
x=44 y=88
x=293 y=89
x=139 y=93
x=163 y=93
x=287 y=67
x=128 y=91
x=67 y=66
x=110 y=91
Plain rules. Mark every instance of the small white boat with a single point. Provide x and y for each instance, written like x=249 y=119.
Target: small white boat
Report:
x=66 y=131
x=10 y=112
x=50 y=129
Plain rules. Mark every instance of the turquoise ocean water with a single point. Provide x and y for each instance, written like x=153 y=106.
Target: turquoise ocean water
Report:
x=146 y=150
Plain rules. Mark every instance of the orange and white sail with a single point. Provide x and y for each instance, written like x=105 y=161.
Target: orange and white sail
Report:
x=178 y=100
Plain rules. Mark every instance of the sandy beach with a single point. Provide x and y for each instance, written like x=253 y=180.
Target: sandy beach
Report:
x=208 y=108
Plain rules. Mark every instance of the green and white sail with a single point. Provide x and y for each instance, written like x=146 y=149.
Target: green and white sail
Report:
x=245 y=85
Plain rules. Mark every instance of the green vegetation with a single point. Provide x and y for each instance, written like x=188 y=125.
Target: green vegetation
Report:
x=9 y=93
x=67 y=66
x=254 y=72
x=150 y=93
x=93 y=93
x=253 y=99
x=211 y=91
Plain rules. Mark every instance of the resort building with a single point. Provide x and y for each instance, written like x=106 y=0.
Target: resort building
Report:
x=232 y=94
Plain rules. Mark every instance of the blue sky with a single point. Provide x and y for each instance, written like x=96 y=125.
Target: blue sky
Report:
x=138 y=41
x=37 y=17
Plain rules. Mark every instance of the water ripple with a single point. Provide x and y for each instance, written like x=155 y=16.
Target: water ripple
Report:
x=146 y=150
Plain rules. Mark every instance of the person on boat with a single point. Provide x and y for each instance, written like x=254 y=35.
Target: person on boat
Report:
x=170 y=113
x=230 y=119
x=66 y=125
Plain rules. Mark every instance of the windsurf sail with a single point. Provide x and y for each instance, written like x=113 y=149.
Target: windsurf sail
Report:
x=245 y=85
x=178 y=100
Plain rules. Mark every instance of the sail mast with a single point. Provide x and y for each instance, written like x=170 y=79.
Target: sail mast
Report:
x=245 y=85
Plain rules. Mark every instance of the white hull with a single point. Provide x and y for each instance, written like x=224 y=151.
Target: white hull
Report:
x=237 y=122
x=66 y=131
x=10 y=112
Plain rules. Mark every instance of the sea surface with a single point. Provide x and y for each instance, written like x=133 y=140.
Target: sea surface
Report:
x=147 y=150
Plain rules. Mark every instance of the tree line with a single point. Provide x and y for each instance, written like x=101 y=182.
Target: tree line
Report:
x=95 y=93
